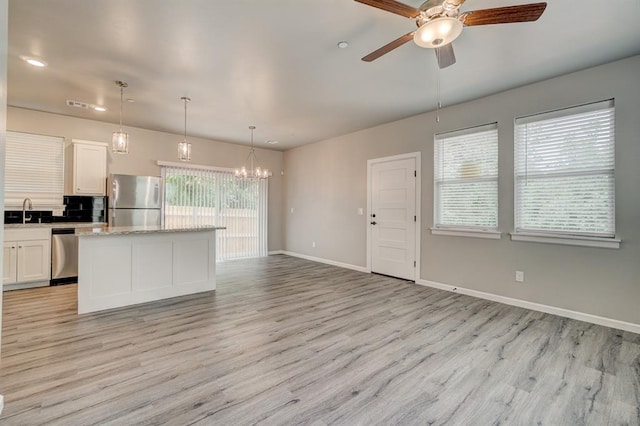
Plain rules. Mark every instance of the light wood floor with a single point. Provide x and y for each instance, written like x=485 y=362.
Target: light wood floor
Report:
x=288 y=341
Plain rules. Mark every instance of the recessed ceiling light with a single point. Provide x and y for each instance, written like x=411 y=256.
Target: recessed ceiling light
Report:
x=271 y=142
x=343 y=44
x=34 y=61
x=99 y=108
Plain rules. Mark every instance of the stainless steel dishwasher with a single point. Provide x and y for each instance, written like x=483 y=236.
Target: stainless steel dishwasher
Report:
x=64 y=256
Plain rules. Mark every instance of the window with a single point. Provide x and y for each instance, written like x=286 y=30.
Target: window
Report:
x=466 y=179
x=204 y=196
x=564 y=172
x=34 y=168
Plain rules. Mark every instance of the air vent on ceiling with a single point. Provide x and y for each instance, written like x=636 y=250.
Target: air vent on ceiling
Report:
x=77 y=104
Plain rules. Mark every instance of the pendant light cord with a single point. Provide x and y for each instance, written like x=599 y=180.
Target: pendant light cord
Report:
x=252 y=154
x=121 y=98
x=122 y=85
x=185 y=119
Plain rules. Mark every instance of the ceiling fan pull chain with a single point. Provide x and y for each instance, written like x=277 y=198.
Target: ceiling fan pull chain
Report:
x=439 y=104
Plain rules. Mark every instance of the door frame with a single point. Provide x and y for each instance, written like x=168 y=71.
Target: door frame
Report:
x=418 y=186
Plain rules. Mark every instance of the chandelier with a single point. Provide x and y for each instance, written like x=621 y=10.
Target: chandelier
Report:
x=253 y=172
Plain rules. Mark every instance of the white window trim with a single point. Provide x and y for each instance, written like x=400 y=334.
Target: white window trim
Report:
x=473 y=233
x=193 y=166
x=569 y=240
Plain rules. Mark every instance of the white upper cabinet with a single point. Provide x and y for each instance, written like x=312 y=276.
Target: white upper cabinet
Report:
x=89 y=168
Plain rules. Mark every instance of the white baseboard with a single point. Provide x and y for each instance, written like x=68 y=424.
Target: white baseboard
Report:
x=326 y=261
x=22 y=286
x=567 y=313
x=271 y=253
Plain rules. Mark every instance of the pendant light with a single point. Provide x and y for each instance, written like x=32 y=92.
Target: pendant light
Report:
x=184 y=147
x=253 y=172
x=120 y=139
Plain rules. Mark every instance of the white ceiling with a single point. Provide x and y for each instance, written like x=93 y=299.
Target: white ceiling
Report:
x=274 y=63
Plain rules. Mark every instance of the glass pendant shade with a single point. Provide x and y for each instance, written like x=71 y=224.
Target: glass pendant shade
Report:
x=438 y=32
x=120 y=142
x=120 y=139
x=184 y=151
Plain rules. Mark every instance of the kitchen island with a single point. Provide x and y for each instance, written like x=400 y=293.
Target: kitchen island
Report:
x=126 y=265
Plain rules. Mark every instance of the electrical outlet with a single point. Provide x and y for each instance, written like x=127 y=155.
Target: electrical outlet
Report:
x=520 y=276
x=291 y=209
x=313 y=244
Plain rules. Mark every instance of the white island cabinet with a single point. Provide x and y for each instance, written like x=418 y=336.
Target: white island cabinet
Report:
x=122 y=266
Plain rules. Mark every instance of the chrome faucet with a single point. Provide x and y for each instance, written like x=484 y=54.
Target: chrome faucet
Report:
x=24 y=213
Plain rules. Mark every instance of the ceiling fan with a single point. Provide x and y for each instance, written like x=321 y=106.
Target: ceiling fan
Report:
x=440 y=22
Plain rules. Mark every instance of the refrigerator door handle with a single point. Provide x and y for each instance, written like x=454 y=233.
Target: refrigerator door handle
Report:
x=114 y=199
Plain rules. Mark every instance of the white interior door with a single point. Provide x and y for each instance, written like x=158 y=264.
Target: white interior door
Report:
x=393 y=218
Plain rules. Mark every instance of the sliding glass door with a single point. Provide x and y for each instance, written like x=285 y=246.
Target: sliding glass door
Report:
x=196 y=196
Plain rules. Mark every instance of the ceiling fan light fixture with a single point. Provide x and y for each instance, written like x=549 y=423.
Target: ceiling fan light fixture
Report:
x=438 y=32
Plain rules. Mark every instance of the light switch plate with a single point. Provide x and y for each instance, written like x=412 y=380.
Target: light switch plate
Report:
x=360 y=211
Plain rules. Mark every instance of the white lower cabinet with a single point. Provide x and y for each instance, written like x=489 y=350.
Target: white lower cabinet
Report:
x=27 y=256
x=10 y=263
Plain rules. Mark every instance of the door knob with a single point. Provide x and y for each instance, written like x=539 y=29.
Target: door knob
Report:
x=374 y=222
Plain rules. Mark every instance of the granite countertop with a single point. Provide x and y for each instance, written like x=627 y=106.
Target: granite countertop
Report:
x=125 y=230
x=53 y=225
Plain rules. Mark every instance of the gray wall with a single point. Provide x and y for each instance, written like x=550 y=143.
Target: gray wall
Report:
x=325 y=183
x=147 y=146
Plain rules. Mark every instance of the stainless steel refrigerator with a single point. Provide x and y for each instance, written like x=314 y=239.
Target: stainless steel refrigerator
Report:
x=134 y=200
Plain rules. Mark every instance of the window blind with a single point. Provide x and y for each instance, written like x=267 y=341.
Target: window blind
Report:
x=34 y=168
x=466 y=178
x=564 y=171
x=208 y=197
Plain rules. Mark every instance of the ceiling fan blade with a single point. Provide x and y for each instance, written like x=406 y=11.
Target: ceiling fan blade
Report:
x=445 y=56
x=503 y=15
x=393 y=7
x=388 y=47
